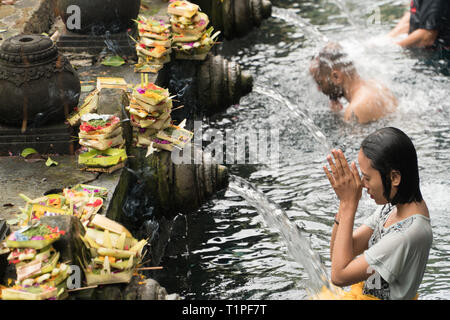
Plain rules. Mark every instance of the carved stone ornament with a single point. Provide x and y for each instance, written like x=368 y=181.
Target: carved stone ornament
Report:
x=35 y=80
x=19 y=76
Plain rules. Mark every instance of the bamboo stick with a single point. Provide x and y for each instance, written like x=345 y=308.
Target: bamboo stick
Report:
x=83 y=288
x=149 y=268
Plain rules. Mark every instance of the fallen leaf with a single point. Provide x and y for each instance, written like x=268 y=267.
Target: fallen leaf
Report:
x=50 y=162
x=87 y=88
x=12 y=221
x=27 y=151
x=114 y=61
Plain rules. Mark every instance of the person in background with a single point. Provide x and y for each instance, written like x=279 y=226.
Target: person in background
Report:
x=427 y=24
x=390 y=250
x=337 y=77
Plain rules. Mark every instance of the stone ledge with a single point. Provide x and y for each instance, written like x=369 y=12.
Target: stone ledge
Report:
x=34 y=179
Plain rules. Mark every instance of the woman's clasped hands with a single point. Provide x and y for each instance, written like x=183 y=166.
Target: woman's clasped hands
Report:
x=344 y=179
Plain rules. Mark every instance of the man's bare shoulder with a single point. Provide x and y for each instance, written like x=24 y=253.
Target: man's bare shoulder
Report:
x=360 y=105
x=371 y=102
x=359 y=110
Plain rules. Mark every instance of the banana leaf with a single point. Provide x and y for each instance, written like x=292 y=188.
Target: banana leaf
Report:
x=108 y=278
x=30 y=293
x=107 y=158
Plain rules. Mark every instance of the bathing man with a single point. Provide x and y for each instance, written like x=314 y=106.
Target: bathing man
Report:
x=337 y=77
x=427 y=24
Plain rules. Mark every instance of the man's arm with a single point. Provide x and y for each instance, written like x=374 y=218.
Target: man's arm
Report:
x=419 y=39
x=426 y=21
x=402 y=26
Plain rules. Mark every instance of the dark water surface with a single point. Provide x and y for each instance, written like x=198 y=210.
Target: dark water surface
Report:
x=225 y=250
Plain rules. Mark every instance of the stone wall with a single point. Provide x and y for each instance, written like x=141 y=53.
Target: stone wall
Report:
x=26 y=16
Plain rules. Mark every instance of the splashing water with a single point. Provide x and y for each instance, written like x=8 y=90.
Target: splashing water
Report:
x=344 y=9
x=299 y=114
x=297 y=243
x=291 y=17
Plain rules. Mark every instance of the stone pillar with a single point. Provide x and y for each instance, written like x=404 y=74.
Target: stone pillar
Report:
x=179 y=187
x=206 y=87
x=235 y=18
x=37 y=83
x=38 y=90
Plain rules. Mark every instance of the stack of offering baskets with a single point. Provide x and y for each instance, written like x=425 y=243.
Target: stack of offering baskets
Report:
x=102 y=134
x=40 y=275
x=154 y=45
x=90 y=103
x=82 y=201
x=191 y=39
x=115 y=254
x=150 y=110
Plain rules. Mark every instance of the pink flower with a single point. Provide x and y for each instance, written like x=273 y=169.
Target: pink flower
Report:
x=161 y=141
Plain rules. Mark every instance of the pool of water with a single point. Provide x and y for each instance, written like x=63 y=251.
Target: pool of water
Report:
x=225 y=250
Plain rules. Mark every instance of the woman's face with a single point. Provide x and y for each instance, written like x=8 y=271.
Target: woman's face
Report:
x=371 y=179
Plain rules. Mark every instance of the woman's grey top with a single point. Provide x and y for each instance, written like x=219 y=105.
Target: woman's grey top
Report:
x=398 y=254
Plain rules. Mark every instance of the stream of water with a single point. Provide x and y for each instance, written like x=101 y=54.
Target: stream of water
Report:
x=227 y=250
x=293 y=234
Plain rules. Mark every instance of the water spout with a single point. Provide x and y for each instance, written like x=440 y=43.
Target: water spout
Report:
x=299 y=114
x=293 y=234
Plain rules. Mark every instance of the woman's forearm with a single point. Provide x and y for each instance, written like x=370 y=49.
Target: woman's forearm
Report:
x=333 y=235
x=342 y=252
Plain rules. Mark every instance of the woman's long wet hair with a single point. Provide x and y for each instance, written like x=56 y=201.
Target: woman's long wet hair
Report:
x=391 y=149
